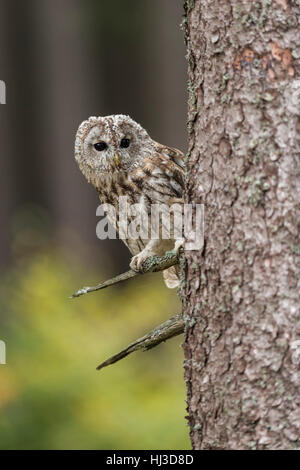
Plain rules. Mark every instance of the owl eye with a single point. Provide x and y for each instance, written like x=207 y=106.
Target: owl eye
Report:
x=124 y=144
x=99 y=146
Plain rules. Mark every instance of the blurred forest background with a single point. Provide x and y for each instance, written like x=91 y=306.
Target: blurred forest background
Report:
x=63 y=61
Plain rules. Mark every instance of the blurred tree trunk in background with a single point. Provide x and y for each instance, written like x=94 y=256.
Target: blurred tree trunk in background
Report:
x=7 y=193
x=66 y=98
x=44 y=65
x=241 y=297
x=19 y=175
x=165 y=73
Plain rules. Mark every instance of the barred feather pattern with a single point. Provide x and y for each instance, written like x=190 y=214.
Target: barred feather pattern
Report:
x=146 y=172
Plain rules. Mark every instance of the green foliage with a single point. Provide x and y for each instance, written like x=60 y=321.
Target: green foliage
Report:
x=51 y=396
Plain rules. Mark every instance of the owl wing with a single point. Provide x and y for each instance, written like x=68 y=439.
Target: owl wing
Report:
x=163 y=183
x=164 y=175
x=175 y=155
x=172 y=275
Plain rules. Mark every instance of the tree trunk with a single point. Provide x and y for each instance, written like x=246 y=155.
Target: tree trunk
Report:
x=241 y=295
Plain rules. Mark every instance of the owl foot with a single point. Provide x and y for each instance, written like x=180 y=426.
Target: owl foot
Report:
x=137 y=262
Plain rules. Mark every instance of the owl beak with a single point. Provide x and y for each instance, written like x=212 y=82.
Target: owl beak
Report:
x=117 y=160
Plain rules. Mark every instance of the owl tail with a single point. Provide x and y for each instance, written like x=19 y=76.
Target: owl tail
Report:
x=172 y=277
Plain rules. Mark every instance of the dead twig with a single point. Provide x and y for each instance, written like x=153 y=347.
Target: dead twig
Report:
x=172 y=327
x=110 y=282
x=151 y=264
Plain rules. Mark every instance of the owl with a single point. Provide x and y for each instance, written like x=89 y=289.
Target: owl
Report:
x=119 y=158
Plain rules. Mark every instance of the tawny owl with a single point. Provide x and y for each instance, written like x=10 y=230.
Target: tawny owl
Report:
x=119 y=158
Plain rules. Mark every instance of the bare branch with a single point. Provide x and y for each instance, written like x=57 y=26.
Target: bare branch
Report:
x=172 y=327
x=151 y=264
x=110 y=282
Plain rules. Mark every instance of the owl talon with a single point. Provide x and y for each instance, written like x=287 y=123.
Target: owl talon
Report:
x=137 y=262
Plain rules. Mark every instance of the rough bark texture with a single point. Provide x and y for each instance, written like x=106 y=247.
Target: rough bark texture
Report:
x=241 y=296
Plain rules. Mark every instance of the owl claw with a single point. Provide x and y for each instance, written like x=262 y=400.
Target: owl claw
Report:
x=137 y=262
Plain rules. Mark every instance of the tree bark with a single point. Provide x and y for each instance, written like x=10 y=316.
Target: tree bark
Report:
x=241 y=294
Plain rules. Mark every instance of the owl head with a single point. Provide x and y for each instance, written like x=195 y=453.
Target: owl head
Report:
x=109 y=144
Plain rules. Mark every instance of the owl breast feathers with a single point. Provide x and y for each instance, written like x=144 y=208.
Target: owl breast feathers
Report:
x=119 y=158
